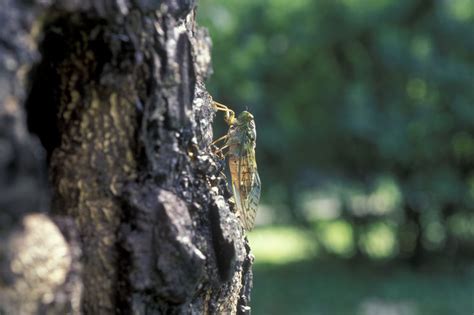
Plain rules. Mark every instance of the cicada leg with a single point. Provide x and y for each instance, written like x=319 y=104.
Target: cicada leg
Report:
x=224 y=137
x=221 y=107
x=229 y=113
x=219 y=150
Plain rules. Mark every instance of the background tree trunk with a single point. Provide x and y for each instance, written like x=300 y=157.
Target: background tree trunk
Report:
x=135 y=219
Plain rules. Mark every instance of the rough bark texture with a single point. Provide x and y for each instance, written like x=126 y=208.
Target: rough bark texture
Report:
x=136 y=219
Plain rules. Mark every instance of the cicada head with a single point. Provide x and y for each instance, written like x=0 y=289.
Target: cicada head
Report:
x=245 y=117
x=244 y=130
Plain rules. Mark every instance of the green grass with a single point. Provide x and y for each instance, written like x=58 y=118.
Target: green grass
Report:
x=289 y=278
x=281 y=245
x=336 y=288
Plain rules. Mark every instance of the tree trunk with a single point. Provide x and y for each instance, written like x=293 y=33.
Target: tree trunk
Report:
x=136 y=219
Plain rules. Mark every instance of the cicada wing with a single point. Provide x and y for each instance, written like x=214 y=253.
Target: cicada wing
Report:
x=234 y=162
x=250 y=188
x=252 y=201
x=240 y=183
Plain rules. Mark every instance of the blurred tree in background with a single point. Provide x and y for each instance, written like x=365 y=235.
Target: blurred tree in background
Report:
x=365 y=115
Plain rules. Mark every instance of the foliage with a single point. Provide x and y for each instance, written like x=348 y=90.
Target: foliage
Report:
x=349 y=94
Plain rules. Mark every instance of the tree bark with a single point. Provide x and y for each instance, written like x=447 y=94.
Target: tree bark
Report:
x=136 y=210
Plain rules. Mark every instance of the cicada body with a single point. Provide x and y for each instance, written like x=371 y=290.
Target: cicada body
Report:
x=246 y=183
x=240 y=142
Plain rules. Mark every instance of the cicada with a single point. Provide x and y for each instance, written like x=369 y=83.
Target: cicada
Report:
x=240 y=143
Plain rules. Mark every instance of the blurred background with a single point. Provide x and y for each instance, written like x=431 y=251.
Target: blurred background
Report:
x=365 y=123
